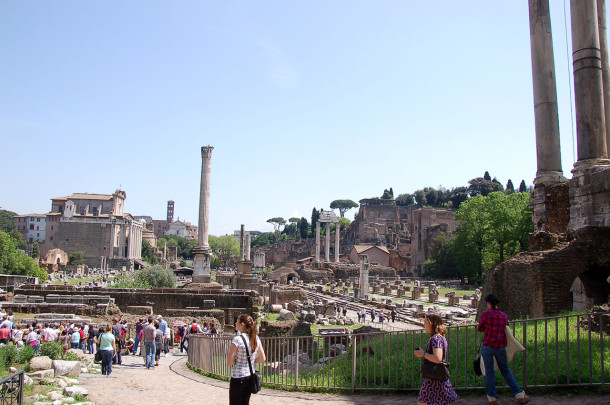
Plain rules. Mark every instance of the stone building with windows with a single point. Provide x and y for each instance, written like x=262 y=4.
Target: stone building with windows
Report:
x=32 y=227
x=97 y=226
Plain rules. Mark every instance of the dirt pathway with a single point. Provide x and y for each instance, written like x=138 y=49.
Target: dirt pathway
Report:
x=132 y=383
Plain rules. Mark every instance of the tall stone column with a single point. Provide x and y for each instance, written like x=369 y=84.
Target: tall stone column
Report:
x=588 y=84
x=548 y=150
x=318 y=242
x=112 y=238
x=202 y=252
x=130 y=242
x=364 y=276
x=603 y=45
x=589 y=195
x=327 y=241
x=248 y=243
x=337 y=237
x=122 y=239
x=242 y=242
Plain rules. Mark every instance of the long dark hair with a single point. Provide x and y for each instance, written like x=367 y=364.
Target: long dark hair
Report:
x=251 y=329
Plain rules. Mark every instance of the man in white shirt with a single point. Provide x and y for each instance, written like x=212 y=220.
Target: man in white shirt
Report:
x=6 y=323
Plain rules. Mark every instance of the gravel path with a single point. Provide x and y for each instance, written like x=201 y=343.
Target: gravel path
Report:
x=132 y=383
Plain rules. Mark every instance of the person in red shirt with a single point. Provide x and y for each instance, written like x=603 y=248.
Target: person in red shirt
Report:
x=493 y=324
x=5 y=335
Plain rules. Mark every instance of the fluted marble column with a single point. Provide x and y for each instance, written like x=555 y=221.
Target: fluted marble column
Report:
x=202 y=252
x=548 y=149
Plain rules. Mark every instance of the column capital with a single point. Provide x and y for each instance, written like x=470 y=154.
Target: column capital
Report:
x=206 y=152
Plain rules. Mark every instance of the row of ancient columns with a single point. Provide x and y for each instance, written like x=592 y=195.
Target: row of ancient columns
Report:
x=327 y=244
x=591 y=87
x=131 y=231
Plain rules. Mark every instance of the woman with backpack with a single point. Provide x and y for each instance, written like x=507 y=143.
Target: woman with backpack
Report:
x=246 y=345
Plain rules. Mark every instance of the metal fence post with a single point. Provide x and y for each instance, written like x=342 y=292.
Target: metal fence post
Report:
x=296 y=372
x=354 y=357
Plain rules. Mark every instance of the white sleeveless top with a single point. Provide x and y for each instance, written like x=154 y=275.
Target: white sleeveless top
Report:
x=240 y=368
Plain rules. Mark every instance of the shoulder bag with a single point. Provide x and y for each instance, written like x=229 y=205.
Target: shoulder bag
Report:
x=255 y=377
x=435 y=371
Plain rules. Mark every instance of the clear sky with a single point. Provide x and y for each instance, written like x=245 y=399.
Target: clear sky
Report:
x=304 y=102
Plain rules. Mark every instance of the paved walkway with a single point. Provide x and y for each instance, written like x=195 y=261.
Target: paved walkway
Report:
x=132 y=383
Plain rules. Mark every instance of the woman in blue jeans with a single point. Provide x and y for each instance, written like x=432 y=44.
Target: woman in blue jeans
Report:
x=107 y=349
x=493 y=324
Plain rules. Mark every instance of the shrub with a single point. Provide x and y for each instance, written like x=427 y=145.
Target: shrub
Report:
x=70 y=356
x=52 y=349
x=8 y=356
x=25 y=354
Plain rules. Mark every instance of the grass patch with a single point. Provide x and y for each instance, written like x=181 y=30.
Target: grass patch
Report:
x=557 y=353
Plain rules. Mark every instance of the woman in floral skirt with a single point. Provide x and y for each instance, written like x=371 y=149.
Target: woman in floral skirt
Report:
x=435 y=392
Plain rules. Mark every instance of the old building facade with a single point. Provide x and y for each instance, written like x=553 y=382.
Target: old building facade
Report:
x=97 y=226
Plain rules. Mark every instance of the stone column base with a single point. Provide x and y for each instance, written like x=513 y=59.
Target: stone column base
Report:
x=201 y=265
x=590 y=194
x=550 y=177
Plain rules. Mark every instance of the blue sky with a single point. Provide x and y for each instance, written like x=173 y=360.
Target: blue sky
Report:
x=304 y=102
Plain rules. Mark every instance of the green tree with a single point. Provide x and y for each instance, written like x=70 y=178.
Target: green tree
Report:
x=315 y=215
x=470 y=237
x=277 y=222
x=76 y=259
x=294 y=229
x=35 y=250
x=420 y=198
x=185 y=246
x=14 y=260
x=343 y=206
x=431 y=196
x=442 y=262
x=388 y=194
x=522 y=187
x=491 y=229
x=344 y=223
x=481 y=186
x=225 y=246
x=7 y=223
x=148 y=252
x=15 y=234
x=303 y=228
x=510 y=188
x=457 y=196
x=262 y=239
x=405 y=200
x=149 y=277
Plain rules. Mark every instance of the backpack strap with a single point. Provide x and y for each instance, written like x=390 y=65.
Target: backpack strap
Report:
x=248 y=354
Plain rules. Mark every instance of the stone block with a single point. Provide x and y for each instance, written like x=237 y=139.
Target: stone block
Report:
x=69 y=368
x=76 y=390
x=41 y=363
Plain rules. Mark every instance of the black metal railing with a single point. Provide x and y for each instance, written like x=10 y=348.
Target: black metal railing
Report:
x=570 y=350
x=11 y=389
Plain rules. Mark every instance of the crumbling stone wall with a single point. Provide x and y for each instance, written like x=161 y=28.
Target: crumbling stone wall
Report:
x=343 y=272
x=282 y=296
x=161 y=299
x=538 y=283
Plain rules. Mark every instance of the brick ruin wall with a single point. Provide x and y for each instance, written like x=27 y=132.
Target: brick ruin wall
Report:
x=534 y=284
x=92 y=239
